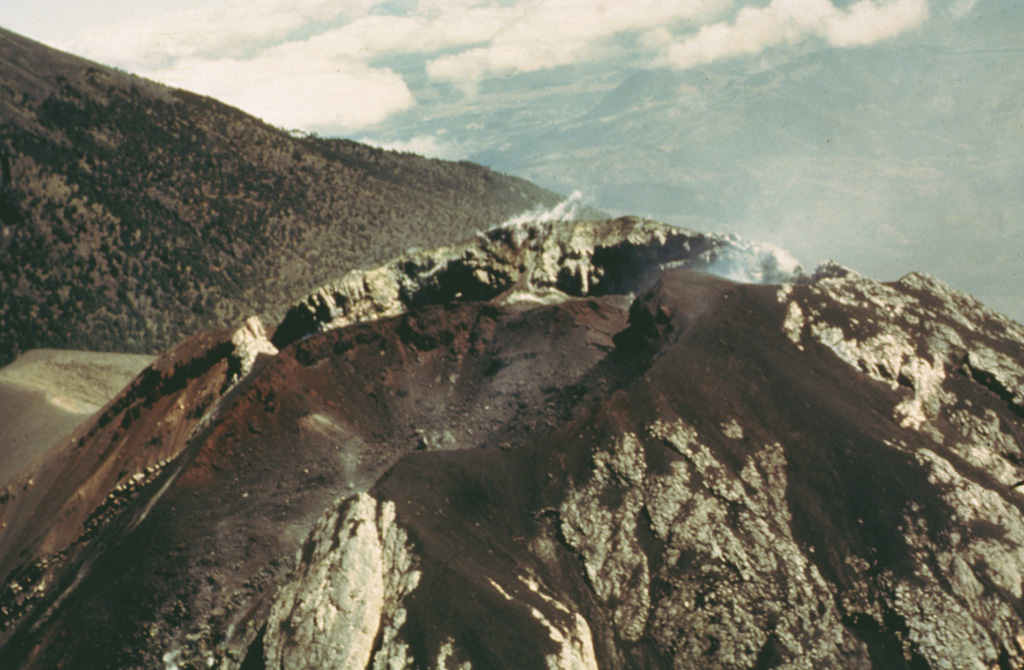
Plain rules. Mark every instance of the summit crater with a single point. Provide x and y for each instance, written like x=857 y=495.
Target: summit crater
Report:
x=553 y=445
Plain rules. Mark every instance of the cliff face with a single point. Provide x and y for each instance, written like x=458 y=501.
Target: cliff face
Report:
x=559 y=446
x=133 y=215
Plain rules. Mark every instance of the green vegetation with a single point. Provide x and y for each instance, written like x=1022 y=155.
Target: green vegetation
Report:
x=132 y=215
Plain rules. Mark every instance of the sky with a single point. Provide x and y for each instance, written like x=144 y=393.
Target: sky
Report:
x=309 y=64
x=886 y=134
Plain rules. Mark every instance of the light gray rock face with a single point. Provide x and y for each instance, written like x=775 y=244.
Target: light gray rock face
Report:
x=754 y=586
x=250 y=341
x=345 y=605
x=921 y=337
x=531 y=262
x=956 y=370
x=346 y=593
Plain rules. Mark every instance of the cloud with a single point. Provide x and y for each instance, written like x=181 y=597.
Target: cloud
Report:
x=961 y=8
x=743 y=260
x=867 y=22
x=793 y=21
x=254 y=56
x=219 y=29
x=294 y=63
x=296 y=85
x=541 y=34
x=370 y=37
x=315 y=64
x=245 y=30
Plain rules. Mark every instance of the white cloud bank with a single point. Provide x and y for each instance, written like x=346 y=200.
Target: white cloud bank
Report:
x=293 y=86
x=320 y=63
x=541 y=34
x=230 y=28
x=793 y=21
x=253 y=55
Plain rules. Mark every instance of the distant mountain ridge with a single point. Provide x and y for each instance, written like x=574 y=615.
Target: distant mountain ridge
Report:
x=132 y=214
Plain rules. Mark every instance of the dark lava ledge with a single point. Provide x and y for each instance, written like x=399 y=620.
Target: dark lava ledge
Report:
x=554 y=446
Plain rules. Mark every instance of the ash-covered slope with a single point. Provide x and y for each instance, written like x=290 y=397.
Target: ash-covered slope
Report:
x=526 y=452
x=133 y=215
x=47 y=393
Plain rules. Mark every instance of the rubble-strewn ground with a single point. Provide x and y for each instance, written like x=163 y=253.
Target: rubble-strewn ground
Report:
x=554 y=446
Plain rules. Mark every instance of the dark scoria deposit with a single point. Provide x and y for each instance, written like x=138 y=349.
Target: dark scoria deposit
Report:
x=553 y=446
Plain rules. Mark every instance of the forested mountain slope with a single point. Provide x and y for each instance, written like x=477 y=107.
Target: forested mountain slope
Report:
x=132 y=214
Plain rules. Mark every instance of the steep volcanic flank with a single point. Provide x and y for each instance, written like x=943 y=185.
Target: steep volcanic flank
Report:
x=133 y=215
x=556 y=446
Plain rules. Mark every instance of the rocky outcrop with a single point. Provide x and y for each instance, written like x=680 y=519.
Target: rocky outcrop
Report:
x=250 y=342
x=347 y=593
x=564 y=447
x=535 y=263
x=747 y=500
x=926 y=341
x=52 y=510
